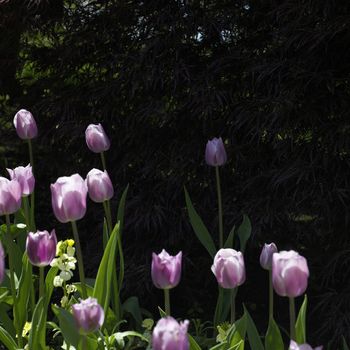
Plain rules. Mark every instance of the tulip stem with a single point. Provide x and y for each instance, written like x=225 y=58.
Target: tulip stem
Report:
x=167 y=301
x=233 y=305
x=103 y=159
x=32 y=196
x=80 y=259
x=270 y=295
x=221 y=225
x=42 y=282
x=292 y=317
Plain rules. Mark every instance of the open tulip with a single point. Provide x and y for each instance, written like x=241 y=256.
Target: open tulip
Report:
x=41 y=247
x=289 y=273
x=25 y=177
x=229 y=268
x=88 y=315
x=68 y=198
x=25 y=125
x=215 y=154
x=99 y=185
x=96 y=138
x=10 y=196
x=166 y=270
x=2 y=263
x=294 y=346
x=266 y=255
x=168 y=334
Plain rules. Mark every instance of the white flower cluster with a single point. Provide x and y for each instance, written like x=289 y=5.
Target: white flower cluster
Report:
x=65 y=261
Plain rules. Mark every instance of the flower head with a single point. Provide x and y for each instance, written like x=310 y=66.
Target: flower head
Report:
x=25 y=125
x=25 y=177
x=96 y=138
x=215 y=153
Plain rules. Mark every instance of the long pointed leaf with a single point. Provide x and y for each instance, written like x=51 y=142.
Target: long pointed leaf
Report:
x=7 y=340
x=300 y=325
x=273 y=338
x=244 y=231
x=253 y=335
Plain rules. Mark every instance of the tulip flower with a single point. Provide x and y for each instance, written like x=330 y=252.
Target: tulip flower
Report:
x=2 y=263
x=96 y=138
x=266 y=255
x=168 y=334
x=88 y=315
x=68 y=198
x=294 y=346
x=25 y=125
x=99 y=185
x=25 y=177
x=41 y=247
x=215 y=154
x=10 y=196
x=289 y=273
x=229 y=268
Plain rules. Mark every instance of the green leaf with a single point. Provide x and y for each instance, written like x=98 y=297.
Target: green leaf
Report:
x=132 y=306
x=273 y=338
x=222 y=306
x=162 y=313
x=253 y=335
x=345 y=345
x=300 y=325
x=37 y=334
x=102 y=288
x=244 y=231
x=121 y=208
x=105 y=236
x=238 y=332
x=6 y=321
x=229 y=240
x=49 y=282
x=199 y=228
x=7 y=340
x=193 y=344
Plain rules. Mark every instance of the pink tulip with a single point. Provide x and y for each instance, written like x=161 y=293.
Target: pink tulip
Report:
x=10 y=196
x=99 y=185
x=215 y=153
x=96 y=138
x=25 y=125
x=25 y=177
x=294 y=346
x=68 y=198
x=266 y=255
x=289 y=273
x=229 y=268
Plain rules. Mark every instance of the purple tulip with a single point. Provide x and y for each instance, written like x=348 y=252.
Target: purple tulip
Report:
x=10 y=196
x=229 y=268
x=215 y=153
x=68 y=198
x=266 y=255
x=41 y=247
x=168 y=334
x=88 y=315
x=294 y=346
x=289 y=273
x=2 y=263
x=25 y=177
x=25 y=125
x=99 y=185
x=166 y=270
x=96 y=138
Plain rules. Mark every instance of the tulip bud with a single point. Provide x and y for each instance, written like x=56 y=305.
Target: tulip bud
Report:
x=166 y=270
x=25 y=125
x=10 y=196
x=68 y=198
x=96 y=138
x=168 y=334
x=294 y=346
x=266 y=255
x=215 y=153
x=25 y=177
x=88 y=315
x=99 y=185
x=229 y=268
x=289 y=273
x=2 y=263
x=41 y=247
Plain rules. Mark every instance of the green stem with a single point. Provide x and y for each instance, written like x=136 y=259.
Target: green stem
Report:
x=292 y=318
x=80 y=259
x=108 y=214
x=167 y=301
x=27 y=213
x=32 y=196
x=233 y=305
x=221 y=225
x=42 y=282
x=103 y=159
x=270 y=295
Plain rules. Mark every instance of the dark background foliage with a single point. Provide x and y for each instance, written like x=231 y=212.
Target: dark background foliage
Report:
x=163 y=77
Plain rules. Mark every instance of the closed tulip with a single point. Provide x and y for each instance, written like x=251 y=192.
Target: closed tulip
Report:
x=229 y=268
x=289 y=273
x=25 y=125
x=99 y=185
x=166 y=270
x=68 y=198
x=215 y=154
x=168 y=334
x=10 y=196
x=96 y=138
x=2 y=263
x=25 y=177
x=266 y=255
x=41 y=247
x=294 y=346
x=88 y=315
